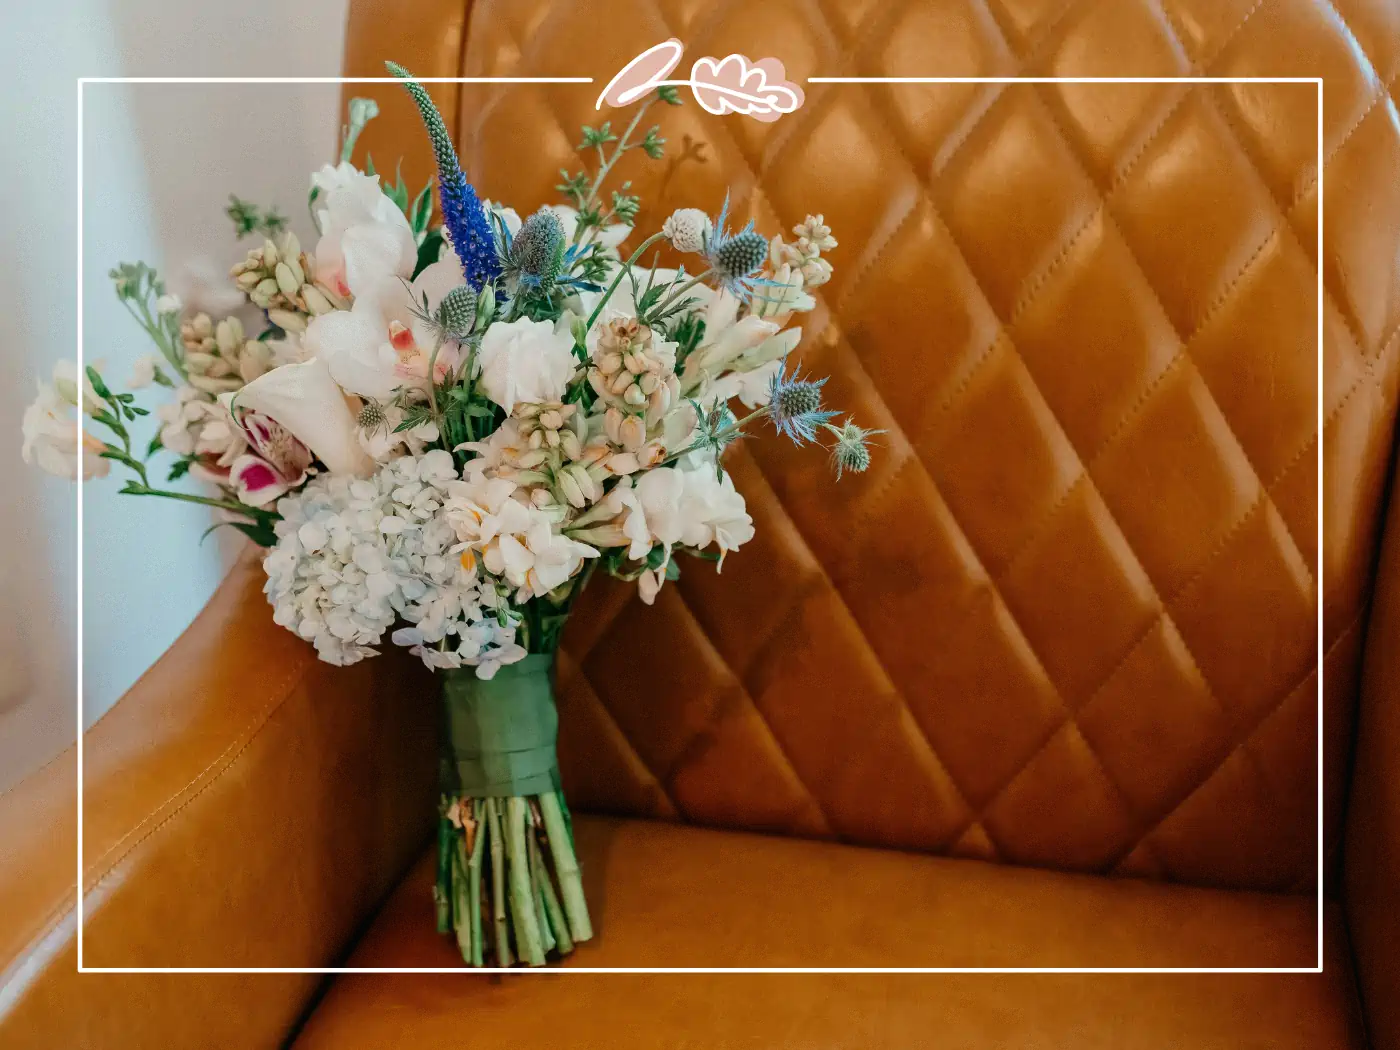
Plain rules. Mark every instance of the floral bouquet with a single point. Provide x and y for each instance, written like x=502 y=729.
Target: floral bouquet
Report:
x=441 y=431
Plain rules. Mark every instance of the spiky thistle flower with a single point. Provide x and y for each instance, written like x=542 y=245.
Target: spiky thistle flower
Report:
x=463 y=217
x=715 y=430
x=536 y=253
x=734 y=257
x=795 y=406
x=851 y=450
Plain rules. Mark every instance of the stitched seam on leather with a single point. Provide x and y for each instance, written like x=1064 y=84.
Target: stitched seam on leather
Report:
x=743 y=692
x=1130 y=808
x=1142 y=399
x=1184 y=339
x=253 y=728
x=1246 y=735
x=66 y=904
x=824 y=579
x=1311 y=180
x=1042 y=40
x=31 y=775
x=652 y=784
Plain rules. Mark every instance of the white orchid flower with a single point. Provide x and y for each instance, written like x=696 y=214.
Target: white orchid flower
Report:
x=380 y=344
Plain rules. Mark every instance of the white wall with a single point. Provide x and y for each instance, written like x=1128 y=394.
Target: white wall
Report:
x=160 y=161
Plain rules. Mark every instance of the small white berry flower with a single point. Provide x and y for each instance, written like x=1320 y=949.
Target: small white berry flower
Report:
x=687 y=229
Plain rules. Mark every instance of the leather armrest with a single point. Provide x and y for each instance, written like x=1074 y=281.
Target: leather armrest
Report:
x=244 y=805
x=1371 y=870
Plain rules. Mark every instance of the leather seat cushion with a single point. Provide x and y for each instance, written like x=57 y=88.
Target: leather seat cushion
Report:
x=670 y=895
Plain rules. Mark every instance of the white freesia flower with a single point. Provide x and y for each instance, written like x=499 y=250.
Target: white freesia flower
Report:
x=304 y=399
x=365 y=237
x=514 y=540
x=55 y=441
x=525 y=360
x=355 y=555
x=681 y=507
x=379 y=344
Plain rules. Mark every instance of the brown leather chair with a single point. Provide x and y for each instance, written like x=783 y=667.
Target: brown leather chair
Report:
x=1039 y=690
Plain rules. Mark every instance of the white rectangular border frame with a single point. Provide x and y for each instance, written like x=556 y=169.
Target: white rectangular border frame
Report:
x=1321 y=161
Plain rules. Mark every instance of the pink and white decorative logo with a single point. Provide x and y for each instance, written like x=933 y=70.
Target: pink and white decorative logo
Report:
x=731 y=84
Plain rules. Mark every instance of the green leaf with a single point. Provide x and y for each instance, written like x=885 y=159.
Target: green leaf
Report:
x=97 y=384
x=369 y=165
x=260 y=533
x=154 y=446
x=180 y=469
x=421 y=211
x=428 y=251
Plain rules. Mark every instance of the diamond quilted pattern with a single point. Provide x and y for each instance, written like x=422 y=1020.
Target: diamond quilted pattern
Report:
x=1068 y=618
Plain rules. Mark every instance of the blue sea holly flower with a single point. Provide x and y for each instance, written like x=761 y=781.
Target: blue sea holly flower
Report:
x=734 y=258
x=463 y=218
x=795 y=406
x=851 y=450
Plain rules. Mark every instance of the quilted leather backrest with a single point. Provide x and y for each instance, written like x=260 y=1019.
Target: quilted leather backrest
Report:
x=1069 y=617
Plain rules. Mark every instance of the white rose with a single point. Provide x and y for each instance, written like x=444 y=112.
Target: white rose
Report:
x=364 y=236
x=525 y=360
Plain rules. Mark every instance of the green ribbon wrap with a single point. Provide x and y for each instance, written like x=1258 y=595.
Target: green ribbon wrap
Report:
x=500 y=732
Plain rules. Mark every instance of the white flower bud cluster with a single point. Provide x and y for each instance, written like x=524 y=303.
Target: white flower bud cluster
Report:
x=805 y=256
x=219 y=357
x=281 y=278
x=633 y=371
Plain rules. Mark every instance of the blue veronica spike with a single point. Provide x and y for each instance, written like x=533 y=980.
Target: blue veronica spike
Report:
x=468 y=228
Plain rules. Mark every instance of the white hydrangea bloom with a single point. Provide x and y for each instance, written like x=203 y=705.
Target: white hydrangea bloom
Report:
x=355 y=555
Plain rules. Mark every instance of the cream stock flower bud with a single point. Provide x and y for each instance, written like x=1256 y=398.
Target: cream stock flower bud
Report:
x=280 y=276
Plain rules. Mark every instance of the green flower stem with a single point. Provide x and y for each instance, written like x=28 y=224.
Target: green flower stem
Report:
x=461 y=906
x=729 y=431
x=142 y=314
x=474 y=881
x=537 y=894
x=443 y=896
x=134 y=489
x=552 y=909
x=498 y=882
x=622 y=271
x=528 y=942
x=607 y=166
x=432 y=382
x=673 y=296
x=566 y=866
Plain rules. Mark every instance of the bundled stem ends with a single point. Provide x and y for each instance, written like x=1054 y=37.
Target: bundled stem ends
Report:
x=528 y=900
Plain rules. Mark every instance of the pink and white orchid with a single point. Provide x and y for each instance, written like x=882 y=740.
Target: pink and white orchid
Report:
x=380 y=344
x=305 y=401
x=277 y=464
